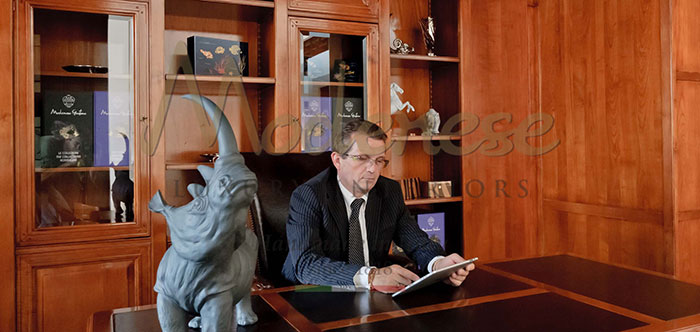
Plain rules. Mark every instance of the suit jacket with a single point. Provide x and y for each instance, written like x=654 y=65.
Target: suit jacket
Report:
x=317 y=231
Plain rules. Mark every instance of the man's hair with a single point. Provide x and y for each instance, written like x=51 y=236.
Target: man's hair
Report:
x=342 y=142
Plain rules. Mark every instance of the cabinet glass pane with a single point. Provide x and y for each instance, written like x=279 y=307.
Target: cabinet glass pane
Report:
x=83 y=118
x=333 y=89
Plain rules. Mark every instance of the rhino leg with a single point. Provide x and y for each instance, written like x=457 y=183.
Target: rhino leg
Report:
x=244 y=311
x=172 y=318
x=217 y=313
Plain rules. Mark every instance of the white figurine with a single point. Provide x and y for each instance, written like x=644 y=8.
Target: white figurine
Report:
x=396 y=103
x=432 y=123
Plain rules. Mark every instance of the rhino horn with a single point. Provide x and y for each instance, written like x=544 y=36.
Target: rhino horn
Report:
x=227 y=140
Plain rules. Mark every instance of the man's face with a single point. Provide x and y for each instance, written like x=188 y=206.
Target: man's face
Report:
x=359 y=168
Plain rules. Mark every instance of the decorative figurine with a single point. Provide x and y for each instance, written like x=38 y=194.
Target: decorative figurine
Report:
x=432 y=123
x=396 y=103
x=427 y=25
x=399 y=47
x=210 y=265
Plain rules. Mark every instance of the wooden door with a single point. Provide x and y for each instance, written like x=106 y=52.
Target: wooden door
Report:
x=59 y=287
x=334 y=69
x=64 y=190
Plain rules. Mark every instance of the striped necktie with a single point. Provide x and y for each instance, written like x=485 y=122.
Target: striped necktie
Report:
x=355 y=251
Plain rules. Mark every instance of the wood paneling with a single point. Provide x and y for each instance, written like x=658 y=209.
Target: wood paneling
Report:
x=60 y=287
x=7 y=197
x=363 y=10
x=601 y=79
x=496 y=75
x=686 y=38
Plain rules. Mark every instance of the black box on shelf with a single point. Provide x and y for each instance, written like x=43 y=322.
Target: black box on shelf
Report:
x=213 y=56
x=67 y=129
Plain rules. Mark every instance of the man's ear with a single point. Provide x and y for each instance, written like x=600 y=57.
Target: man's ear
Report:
x=335 y=158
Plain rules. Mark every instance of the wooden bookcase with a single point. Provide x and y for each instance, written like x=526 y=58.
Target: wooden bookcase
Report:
x=428 y=82
x=173 y=132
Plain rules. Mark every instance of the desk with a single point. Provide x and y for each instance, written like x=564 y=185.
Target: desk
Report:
x=554 y=293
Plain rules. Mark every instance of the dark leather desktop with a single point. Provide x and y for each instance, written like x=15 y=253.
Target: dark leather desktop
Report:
x=555 y=293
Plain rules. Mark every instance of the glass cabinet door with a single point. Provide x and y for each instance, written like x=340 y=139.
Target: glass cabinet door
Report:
x=82 y=104
x=334 y=80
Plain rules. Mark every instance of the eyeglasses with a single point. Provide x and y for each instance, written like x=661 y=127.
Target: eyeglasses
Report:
x=365 y=159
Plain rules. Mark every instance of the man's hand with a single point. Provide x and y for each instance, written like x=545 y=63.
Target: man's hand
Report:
x=393 y=278
x=457 y=277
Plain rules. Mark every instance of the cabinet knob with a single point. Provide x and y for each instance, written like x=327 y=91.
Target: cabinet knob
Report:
x=144 y=118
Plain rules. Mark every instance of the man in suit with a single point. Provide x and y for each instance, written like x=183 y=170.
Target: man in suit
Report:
x=342 y=221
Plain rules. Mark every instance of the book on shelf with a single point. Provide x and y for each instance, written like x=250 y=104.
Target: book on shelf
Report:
x=316 y=124
x=433 y=224
x=411 y=188
x=112 y=128
x=346 y=109
x=67 y=128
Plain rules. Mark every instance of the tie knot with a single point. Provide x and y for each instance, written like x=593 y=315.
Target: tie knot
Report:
x=356 y=204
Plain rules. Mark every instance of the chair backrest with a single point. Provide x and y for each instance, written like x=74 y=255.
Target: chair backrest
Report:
x=278 y=176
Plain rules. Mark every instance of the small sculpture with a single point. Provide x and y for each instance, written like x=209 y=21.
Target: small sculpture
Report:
x=211 y=262
x=396 y=103
x=123 y=188
x=432 y=123
x=399 y=47
x=427 y=25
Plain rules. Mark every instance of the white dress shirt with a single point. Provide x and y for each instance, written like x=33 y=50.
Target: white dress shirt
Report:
x=361 y=277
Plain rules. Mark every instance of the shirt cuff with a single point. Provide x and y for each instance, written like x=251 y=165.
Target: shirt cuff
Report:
x=361 y=278
x=432 y=261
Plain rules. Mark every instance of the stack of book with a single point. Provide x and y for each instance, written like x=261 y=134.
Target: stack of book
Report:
x=411 y=188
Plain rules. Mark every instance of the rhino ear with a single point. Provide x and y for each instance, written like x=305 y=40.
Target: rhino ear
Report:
x=206 y=172
x=157 y=204
x=195 y=189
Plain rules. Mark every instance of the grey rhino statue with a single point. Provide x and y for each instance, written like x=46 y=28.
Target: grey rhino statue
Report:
x=210 y=265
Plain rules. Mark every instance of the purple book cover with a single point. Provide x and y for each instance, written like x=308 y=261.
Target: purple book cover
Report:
x=101 y=128
x=433 y=224
x=112 y=123
x=316 y=124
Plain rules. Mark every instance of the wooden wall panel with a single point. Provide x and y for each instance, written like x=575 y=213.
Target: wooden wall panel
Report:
x=496 y=74
x=59 y=288
x=601 y=79
x=7 y=198
x=686 y=41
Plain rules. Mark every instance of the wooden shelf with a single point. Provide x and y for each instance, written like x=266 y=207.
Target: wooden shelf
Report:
x=82 y=75
x=415 y=57
x=80 y=169
x=422 y=201
x=353 y=84
x=426 y=138
x=218 y=79
x=186 y=166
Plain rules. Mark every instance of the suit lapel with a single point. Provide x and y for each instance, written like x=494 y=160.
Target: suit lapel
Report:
x=336 y=205
x=372 y=220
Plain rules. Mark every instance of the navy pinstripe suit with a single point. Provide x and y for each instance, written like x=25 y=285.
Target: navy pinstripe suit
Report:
x=317 y=231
